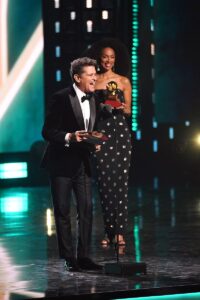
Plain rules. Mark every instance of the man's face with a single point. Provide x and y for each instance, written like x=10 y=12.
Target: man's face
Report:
x=86 y=80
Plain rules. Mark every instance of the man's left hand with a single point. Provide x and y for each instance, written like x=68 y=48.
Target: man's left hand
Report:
x=97 y=147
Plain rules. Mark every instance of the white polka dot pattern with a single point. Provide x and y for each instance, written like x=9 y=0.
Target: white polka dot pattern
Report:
x=112 y=168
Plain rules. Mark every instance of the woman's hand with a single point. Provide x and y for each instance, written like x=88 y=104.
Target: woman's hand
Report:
x=127 y=110
x=124 y=108
x=121 y=107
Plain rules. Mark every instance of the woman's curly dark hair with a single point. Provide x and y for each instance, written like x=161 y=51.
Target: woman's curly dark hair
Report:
x=122 y=56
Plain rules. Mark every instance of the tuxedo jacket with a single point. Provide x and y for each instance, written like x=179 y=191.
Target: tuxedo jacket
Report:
x=65 y=115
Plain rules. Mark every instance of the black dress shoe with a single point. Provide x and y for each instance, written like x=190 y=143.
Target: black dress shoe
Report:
x=87 y=264
x=71 y=265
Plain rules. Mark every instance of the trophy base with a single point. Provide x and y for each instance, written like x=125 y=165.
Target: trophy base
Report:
x=113 y=103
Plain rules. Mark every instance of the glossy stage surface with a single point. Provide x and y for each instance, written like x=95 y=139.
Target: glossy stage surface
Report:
x=163 y=232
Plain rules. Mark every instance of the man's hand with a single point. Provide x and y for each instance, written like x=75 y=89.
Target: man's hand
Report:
x=78 y=136
x=97 y=148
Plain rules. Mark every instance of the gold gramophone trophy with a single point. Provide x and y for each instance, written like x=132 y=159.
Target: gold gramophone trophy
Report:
x=112 y=95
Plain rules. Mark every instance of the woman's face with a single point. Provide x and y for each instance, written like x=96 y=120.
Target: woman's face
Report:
x=107 y=58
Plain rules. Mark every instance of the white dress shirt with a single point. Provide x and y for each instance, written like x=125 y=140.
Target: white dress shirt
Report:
x=85 y=107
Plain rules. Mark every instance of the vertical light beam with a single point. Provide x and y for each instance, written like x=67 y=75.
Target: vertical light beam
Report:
x=3 y=42
x=21 y=69
x=135 y=83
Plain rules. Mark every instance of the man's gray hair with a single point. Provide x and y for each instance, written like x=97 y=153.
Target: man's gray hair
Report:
x=78 y=64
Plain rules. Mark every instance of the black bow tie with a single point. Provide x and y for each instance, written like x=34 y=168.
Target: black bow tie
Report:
x=86 y=97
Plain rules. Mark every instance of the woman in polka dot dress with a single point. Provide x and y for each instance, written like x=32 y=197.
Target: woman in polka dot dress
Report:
x=114 y=158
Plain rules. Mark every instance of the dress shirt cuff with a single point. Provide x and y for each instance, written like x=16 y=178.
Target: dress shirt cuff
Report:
x=67 y=139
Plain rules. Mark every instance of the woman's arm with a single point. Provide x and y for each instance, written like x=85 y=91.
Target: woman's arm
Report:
x=127 y=89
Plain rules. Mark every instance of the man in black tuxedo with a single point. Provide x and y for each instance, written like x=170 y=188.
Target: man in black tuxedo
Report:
x=67 y=158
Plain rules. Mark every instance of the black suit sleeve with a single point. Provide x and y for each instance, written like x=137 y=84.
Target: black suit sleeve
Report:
x=52 y=130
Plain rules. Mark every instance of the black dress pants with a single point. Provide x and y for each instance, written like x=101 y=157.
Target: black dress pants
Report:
x=61 y=188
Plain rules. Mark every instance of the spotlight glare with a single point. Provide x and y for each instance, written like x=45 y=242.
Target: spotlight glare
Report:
x=56 y=3
x=73 y=15
x=88 y=3
x=89 y=26
x=104 y=14
x=197 y=139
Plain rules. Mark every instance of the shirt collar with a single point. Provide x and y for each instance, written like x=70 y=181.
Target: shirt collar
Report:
x=79 y=93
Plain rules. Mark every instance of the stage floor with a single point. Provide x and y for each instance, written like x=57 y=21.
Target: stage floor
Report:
x=163 y=232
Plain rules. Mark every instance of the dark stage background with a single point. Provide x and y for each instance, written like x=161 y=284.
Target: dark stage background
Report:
x=177 y=61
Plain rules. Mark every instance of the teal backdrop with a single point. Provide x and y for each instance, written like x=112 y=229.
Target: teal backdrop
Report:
x=21 y=125
x=177 y=61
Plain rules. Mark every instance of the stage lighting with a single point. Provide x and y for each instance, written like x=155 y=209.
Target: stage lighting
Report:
x=58 y=75
x=21 y=69
x=57 y=51
x=56 y=3
x=49 y=221
x=152 y=49
x=89 y=26
x=13 y=170
x=88 y=3
x=138 y=135
x=15 y=203
x=187 y=123
x=171 y=133
x=104 y=14
x=72 y=15
x=134 y=54
x=155 y=146
x=197 y=140
x=154 y=124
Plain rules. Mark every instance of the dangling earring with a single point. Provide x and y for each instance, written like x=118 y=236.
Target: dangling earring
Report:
x=113 y=68
x=98 y=68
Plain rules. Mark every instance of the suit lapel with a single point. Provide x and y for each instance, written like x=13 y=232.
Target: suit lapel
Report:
x=77 y=109
x=92 y=114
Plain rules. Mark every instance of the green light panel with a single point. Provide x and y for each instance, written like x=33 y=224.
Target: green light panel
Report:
x=187 y=296
x=136 y=235
x=14 y=203
x=134 y=55
x=152 y=3
x=13 y=170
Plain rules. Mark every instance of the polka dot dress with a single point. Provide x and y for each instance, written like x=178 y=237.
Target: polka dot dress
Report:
x=112 y=172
